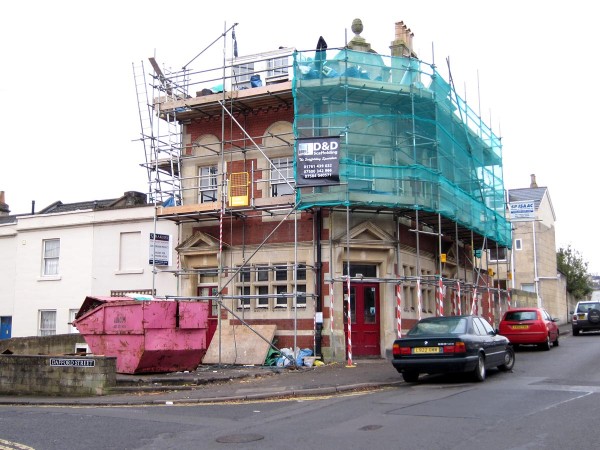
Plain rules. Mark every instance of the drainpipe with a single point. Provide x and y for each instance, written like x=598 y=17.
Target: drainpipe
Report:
x=319 y=277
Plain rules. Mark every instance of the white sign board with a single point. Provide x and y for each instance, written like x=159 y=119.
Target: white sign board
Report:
x=522 y=210
x=160 y=249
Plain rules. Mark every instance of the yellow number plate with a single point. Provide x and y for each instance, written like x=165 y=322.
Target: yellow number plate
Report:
x=426 y=350
x=520 y=327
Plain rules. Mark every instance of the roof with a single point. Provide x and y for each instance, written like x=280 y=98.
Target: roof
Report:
x=128 y=199
x=527 y=194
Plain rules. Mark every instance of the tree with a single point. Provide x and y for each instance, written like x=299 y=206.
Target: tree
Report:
x=571 y=263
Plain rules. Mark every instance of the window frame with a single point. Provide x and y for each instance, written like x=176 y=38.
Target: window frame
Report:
x=46 y=331
x=283 y=177
x=46 y=259
x=208 y=183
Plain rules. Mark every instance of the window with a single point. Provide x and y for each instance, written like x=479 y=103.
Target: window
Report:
x=301 y=272
x=280 y=273
x=244 y=300
x=262 y=302
x=277 y=67
x=281 y=174
x=207 y=184
x=130 y=254
x=47 y=322
x=262 y=273
x=528 y=287
x=242 y=74
x=281 y=301
x=518 y=244
x=72 y=314
x=244 y=275
x=51 y=255
x=301 y=296
x=360 y=172
x=497 y=254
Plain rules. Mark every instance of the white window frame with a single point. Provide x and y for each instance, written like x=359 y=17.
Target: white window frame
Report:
x=242 y=73
x=50 y=257
x=278 y=68
x=46 y=323
x=518 y=244
x=281 y=176
x=360 y=175
x=498 y=257
x=207 y=183
x=72 y=314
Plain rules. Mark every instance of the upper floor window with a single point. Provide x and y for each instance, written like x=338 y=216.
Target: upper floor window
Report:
x=497 y=254
x=360 y=171
x=518 y=244
x=282 y=178
x=242 y=74
x=277 y=67
x=51 y=254
x=207 y=184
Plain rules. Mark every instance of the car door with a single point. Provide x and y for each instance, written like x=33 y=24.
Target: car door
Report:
x=493 y=344
x=550 y=325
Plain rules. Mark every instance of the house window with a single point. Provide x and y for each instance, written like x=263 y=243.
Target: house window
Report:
x=242 y=74
x=262 y=302
x=360 y=172
x=281 y=273
x=301 y=272
x=518 y=244
x=281 y=300
x=207 y=184
x=51 y=255
x=528 y=287
x=245 y=275
x=281 y=174
x=47 y=322
x=244 y=300
x=277 y=67
x=301 y=296
x=130 y=251
x=72 y=314
x=497 y=254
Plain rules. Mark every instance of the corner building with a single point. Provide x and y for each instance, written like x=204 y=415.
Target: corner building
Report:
x=397 y=212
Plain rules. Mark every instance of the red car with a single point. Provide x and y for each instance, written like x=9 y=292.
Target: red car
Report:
x=529 y=326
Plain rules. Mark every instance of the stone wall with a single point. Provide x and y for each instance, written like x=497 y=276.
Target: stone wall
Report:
x=56 y=375
x=59 y=344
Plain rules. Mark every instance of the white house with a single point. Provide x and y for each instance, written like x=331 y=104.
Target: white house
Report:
x=51 y=260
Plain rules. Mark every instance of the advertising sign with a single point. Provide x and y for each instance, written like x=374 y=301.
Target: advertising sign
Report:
x=160 y=249
x=522 y=210
x=318 y=161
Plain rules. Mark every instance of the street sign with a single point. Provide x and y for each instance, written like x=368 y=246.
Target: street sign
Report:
x=522 y=210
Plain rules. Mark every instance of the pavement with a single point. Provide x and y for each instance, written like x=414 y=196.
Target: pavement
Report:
x=234 y=383
x=210 y=384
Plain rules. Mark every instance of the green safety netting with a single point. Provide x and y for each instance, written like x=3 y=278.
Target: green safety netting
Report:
x=406 y=139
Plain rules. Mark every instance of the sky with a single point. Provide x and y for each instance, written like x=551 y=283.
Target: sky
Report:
x=69 y=120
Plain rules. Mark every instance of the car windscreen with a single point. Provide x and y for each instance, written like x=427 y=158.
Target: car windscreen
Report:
x=518 y=316
x=585 y=307
x=442 y=325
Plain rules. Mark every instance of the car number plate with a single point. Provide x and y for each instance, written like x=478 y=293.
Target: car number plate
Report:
x=421 y=350
x=520 y=327
x=581 y=316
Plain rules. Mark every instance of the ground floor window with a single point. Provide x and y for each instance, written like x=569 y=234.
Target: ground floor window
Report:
x=47 y=322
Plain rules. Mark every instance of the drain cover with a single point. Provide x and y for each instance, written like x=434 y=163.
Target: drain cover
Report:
x=240 y=438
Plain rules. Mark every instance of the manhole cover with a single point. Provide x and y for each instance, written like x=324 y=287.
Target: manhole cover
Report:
x=240 y=438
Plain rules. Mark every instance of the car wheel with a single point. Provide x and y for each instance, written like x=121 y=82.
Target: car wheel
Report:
x=546 y=345
x=575 y=332
x=509 y=360
x=555 y=343
x=410 y=377
x=594 y=316
x=479 y=372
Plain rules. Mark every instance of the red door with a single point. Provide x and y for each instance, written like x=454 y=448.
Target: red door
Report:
x=364 y=304
x=213 y=311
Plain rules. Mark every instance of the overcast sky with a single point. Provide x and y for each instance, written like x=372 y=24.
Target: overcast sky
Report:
x=69 y=119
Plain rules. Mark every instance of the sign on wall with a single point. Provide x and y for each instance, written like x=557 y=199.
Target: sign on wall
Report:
x=522 y=210
x=160 y=249
x=318 y=161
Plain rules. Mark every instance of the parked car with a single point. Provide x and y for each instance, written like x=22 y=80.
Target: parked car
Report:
x=586 y=317
x=529 y=326
x=451 y=344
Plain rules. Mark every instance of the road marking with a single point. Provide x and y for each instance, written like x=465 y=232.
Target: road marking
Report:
x=9 y=445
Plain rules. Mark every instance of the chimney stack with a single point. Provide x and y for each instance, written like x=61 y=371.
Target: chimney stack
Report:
x=402 y=45
x=533 y=182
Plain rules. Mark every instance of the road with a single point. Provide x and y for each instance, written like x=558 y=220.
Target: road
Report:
x=550 y=401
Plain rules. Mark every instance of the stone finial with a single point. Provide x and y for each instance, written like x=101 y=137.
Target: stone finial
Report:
x=358 y=43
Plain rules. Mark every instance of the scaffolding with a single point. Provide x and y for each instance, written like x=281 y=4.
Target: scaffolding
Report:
x=411 y=151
